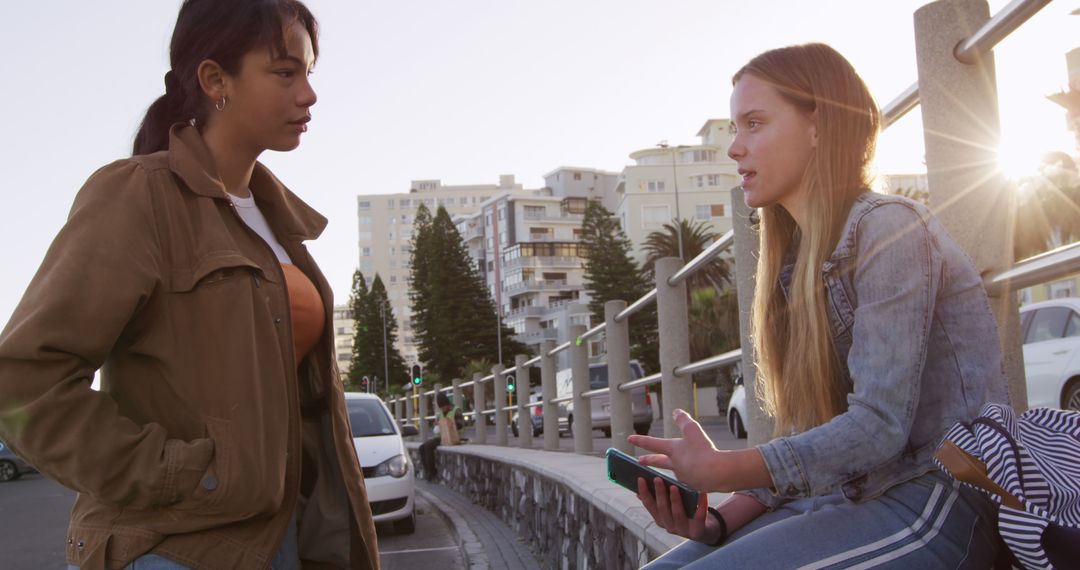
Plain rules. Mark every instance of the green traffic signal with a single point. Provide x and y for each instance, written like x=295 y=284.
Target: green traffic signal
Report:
x=510 y=384
x=416 y=381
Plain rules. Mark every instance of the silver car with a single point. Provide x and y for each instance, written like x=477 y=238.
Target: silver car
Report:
x=641 y=400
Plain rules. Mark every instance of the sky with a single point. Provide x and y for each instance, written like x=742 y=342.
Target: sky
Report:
x=464 y=91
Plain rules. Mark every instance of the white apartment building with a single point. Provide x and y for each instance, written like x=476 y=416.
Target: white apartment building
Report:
x=386 y=231
x=343 y=338
x=688 y=181
x=526 y=247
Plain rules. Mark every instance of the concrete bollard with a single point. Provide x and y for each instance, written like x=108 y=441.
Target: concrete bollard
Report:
x=410 y=411
x=759 y=427
x=582 y=413
x=968 y=193
x=617 y=337
x=500 y=403
x=425 y=427
x=548 y=393
x=674 y=342
x=479 y=423
x=459 y=397
x=522 y=390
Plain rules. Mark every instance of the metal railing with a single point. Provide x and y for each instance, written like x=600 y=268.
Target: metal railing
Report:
x=670 y=297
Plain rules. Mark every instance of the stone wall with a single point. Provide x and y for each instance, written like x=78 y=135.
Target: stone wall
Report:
x=564 y=529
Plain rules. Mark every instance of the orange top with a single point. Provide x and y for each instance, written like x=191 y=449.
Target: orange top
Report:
x=308 y=312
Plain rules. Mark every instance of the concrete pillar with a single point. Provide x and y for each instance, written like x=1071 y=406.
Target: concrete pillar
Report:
x=525 y=430
x=582 y=413
x=674 y=342
x=548 y=392
x=759 y=427
x=459 y=397
x=617 y=337
x=410 y=411
x=425 y=427
x=479 y=421
x=968 y=193
x=500 y=403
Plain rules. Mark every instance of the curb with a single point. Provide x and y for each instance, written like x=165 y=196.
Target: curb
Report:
x=471 y=548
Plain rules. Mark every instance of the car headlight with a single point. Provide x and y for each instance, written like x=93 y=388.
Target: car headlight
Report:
x=396 y=466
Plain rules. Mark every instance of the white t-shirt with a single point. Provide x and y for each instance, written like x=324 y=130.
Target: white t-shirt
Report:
x=255 y=220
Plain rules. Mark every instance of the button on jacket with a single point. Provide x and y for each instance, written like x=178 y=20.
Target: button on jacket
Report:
x=206 y=429
x=915 y=336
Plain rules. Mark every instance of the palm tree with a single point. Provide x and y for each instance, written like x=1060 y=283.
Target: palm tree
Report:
x=696 y=237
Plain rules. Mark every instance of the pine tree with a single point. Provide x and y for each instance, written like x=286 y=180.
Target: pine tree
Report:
x=453 y=315
x=612 y=274
x=362 y=352
x=381 y=314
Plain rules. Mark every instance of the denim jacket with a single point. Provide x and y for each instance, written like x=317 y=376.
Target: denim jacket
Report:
x=913 y=331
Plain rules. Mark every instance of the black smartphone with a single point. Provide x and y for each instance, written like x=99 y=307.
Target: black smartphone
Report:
x=624 y=470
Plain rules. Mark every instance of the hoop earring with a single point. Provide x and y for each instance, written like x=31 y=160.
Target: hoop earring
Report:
x=220 y=105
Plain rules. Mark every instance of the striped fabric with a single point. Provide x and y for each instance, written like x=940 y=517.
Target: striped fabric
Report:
x=1036 y=458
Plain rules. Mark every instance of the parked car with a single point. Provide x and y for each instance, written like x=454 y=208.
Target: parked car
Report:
x=12 y=466
x=388 y=472
x=640 y=401
x=1051 y=333
x=736 y=410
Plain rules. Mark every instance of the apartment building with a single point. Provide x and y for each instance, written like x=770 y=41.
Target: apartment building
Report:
x=343 y=338
x=386 y=231
x=667 y=182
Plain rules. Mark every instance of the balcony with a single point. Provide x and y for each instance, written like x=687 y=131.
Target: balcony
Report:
x=538 y=336
x=539 y=285
x=527 y=312
x=473 y=233
x=568 y=262
x=553 y=217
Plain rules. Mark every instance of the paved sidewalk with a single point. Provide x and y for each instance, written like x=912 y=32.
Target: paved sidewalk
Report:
x=485 y=539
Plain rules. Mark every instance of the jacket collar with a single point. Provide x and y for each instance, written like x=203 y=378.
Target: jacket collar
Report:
x=190 y=160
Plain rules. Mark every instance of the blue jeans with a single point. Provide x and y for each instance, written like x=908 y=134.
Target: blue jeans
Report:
x=287 y=558
x=928 y=522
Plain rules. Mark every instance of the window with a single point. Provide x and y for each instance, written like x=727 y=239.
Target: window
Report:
x=535 y=212
x=577 y=176
x=463 y=201
x=491 y=266
x=393 y=278
x=365 y=220
x=390 y=204
x=1048 y=324
x=404 y=202
x=655 y=216
x=702 y=211
x=406 y=249
x=364 y=236
x=541 y=234
x=654 y=186
x=1062 y=289
x=1073 y=328
x=342 y=330
x=365 y=251
x=364 y=205
x=717 y=210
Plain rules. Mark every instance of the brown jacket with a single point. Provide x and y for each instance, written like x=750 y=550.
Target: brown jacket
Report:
x=206 y=436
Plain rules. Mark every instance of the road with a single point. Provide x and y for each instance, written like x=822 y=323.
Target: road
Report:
x=34 y=517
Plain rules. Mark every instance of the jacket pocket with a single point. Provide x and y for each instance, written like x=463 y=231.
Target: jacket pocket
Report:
x=214 y=269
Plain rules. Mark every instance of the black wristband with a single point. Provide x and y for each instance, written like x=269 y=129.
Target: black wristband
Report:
x=723 y=527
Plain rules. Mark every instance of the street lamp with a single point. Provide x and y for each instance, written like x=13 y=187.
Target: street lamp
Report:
x=385 y=350
x=675 y=176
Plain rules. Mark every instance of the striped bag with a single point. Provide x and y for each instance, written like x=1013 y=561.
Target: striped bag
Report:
x=1030 y=466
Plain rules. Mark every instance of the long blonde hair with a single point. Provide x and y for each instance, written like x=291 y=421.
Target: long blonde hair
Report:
x=803 y=384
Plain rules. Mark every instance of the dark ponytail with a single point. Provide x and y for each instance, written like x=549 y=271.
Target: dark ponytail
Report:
x=222 y=32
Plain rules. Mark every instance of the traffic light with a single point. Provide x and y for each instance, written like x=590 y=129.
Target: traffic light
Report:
x=510 y=384
x=417 y=375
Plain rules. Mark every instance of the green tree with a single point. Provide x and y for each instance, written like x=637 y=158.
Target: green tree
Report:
x=714 y=320
x=1048 y=207
x=454 y=316
x=363 y=354
x=696 y=238
x=611 y=274
x=384 y=330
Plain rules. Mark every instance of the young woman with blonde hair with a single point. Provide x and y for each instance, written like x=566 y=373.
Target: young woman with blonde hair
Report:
x=873 y=335
x=220 y=437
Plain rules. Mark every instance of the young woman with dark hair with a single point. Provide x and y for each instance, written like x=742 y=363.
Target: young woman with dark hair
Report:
x=872 y=336
x=220 y=437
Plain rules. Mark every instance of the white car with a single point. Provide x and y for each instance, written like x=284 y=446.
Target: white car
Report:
x=1051 y=333
x=736 y=410
x=389 y=474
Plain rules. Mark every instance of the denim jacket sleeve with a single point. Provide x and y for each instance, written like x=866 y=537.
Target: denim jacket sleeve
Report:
x=895 y=276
